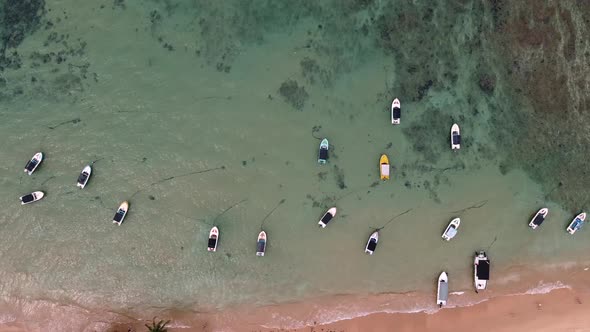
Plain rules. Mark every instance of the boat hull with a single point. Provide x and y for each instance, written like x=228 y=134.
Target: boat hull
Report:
x=577 y=223
x=327 y=217
x=539 y=218
x=213 y=239
x=34 y=163
x=84 y=177
x=455 y=223
x=323 y=152
x=372 y=243
x=481 y=272
x=384 y=167
x=442 y=293
x=32 y=197
x=261 y=244
x=121 y=213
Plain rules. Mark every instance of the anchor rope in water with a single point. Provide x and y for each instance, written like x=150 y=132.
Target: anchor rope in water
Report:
x=392 y=219
x=271 y=211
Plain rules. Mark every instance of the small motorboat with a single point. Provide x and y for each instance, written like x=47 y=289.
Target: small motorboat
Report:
x=32 y=165
x=32 y=197
x=384 y=167
x=121 y=213
x=451 y=230
x=481 y=270
x=331 y=213
x=539 y=218
x=261 y=244
x=213 y=238
x=577 y=223
x=396 y=111
x=455 y=137
x=372 y=243
x=442 y=293
x=323 y=153
x=84 y=176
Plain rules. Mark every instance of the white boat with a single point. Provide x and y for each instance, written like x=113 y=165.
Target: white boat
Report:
x=481 y=270
x=323 y=153
x=213 y=238
x=372 y=243
x=32 y=165
x=442 y=293
x=577 y=223
x=121 y=213
x=451 y=230
x=261 y=244
x=539 y=218
x=396 y=111
x=331 y=213
x=32 y=197
x=84 y=176
x=455 y=137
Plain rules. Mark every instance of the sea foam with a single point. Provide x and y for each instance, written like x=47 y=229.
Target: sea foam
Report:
x=328 y=316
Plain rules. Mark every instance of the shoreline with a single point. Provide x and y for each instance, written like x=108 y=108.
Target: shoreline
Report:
x=558 y=310
x=514 y=293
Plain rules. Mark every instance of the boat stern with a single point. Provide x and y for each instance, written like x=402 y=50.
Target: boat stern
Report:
x=481 y=285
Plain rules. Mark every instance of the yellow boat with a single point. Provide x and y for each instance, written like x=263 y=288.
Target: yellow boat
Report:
x=384 y=167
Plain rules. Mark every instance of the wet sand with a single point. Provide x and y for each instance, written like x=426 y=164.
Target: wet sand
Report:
x=558 y=302
x=560 y=310
x=552 y=305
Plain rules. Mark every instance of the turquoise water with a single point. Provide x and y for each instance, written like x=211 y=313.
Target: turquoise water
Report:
x=189 y=108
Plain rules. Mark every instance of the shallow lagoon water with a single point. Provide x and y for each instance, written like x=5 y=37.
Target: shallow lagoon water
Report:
x=155 y=92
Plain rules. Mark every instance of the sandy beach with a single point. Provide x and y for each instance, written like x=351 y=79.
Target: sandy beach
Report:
x=560 y=310
x=552 y=306
x=558 y=303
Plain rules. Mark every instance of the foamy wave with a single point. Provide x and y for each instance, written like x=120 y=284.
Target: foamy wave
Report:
x=7 y=318
x=177 y=325
x=546 y=288
x=333 y=316
x=342 y=315
x=336 y=315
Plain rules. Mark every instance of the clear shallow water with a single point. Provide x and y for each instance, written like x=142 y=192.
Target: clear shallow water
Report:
x=158 y=90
